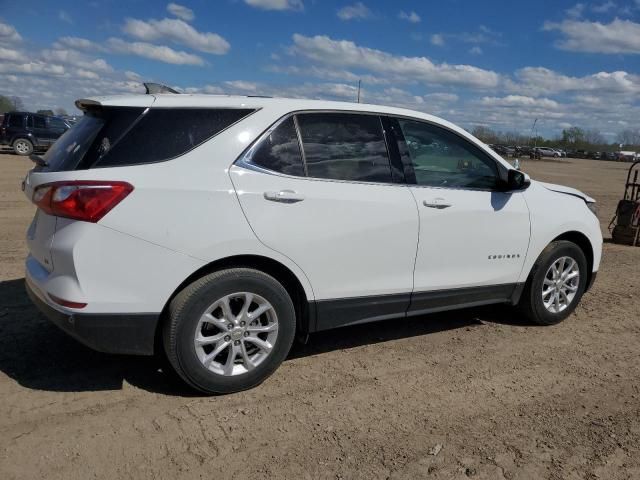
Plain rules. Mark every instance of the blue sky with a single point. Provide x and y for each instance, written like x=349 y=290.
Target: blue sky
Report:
x=496 y=63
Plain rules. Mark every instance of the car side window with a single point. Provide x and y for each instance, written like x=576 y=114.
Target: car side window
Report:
x=38 y=122
x=279 y=150
x=16 y=121
x=57 y=123
x=441 y=158
x=344 y=146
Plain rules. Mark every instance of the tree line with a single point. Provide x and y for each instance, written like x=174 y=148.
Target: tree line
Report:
x=15 y=104
x=573 y=138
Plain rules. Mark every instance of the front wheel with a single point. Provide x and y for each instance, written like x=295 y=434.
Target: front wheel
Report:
x=22 y=146
x=556 y=284
x=230 y=330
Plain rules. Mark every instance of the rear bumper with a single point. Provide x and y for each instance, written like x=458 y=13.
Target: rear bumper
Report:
x=132 y=334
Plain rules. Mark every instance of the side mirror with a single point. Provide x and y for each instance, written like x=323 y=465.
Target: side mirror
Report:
x=517 y=180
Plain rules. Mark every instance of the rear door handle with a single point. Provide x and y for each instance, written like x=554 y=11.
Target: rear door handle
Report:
x=284 y=196
x=436 y=204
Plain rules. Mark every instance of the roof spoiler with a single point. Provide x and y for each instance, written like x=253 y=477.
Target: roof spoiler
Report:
x=152 y=88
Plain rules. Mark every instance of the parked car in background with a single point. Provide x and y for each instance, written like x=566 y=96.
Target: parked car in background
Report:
x=561 y=152
x=626 y=156
x=26 y=131
x=540 y=152
x=302 y=216
x=595 y=155
x=503 y=150
x=610 y=156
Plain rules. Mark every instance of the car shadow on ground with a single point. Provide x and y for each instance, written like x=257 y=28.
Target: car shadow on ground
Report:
x=39 y=356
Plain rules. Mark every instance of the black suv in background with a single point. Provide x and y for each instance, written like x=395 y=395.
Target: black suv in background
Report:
x=25 y=131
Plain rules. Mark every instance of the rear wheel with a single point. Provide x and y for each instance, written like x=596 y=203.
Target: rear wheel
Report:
x=556 y=284
x=230 y=330
x=22 y=146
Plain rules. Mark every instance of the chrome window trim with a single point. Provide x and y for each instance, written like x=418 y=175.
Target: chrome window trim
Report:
x=244 y=159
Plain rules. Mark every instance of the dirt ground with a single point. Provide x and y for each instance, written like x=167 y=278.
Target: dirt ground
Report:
x=476 y=393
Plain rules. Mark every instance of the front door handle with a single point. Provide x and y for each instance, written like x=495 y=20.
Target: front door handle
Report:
x=284 y=196
x=436 y=204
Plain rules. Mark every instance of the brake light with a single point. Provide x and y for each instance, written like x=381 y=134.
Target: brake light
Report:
x=88 y=201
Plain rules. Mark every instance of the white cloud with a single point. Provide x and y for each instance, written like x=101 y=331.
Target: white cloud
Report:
x=176 y=31
x=484 y=35
x=346 y=54
x=129 y=75
x=276 y=4
x=437 y=39
x=64 y=16
x=180 y=11
x=87 y=74
x=8 y=34
x=32 y=67
x=78 y=44
x=519 y=101
x=542 y=81
x=411 y=17
x=76 y=59
x=603 y=7
x=619 y=36
x=475 y=50
x=576 y=11
x=154 y=52
x=242 y=85
x=8 y=54
x=357 y=11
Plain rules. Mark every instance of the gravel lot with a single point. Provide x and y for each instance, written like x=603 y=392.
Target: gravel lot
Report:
x=476 y=393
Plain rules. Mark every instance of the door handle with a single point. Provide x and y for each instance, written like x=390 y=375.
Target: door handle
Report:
x=284 y=196
x=436 y=204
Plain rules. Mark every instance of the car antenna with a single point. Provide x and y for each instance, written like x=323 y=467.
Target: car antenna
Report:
x=152 y=88
x=359 y=82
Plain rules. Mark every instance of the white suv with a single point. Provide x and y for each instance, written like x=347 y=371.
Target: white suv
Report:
x=217 y=229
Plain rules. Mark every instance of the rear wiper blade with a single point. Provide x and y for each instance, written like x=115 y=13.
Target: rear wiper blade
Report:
x=38 y=160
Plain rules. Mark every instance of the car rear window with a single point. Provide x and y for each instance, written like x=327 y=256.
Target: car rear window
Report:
x=16 y=121
x=163 y=134
x=110 y=137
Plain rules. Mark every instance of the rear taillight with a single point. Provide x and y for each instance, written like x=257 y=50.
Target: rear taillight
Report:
x=88 y=201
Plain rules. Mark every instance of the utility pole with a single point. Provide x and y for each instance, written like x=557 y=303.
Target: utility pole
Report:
x=359 y=83
x=532 y=128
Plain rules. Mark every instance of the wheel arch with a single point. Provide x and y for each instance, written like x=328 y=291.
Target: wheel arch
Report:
x=582 y=241
x=305 y=313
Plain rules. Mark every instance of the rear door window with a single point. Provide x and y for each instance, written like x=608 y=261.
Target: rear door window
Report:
x=279 y=150
x=344 y=146
x=36 y=121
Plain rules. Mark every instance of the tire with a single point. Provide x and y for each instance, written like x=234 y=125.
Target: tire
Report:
x=22 y=146
x=532 y=304
x=224 y=295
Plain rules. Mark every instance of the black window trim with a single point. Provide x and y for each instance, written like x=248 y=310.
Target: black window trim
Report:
x=408 y=168
x=244 y=159
x=147 y=109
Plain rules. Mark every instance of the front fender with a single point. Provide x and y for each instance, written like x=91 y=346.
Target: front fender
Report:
x=554 y=214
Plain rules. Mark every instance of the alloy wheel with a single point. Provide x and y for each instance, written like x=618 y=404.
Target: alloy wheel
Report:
x=560 y=284
x=236 y=333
